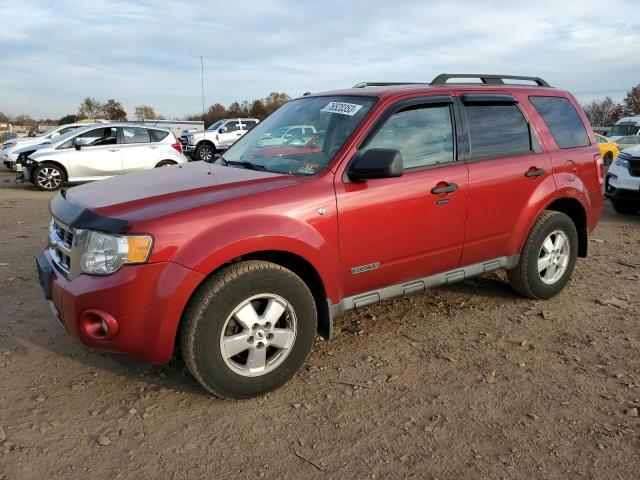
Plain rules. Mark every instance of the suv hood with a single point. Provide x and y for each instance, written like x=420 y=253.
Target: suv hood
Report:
x=163 y=191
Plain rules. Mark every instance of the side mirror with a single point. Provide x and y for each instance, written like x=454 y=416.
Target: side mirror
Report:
x=222 y=130
x=376 y=163
x=80 y=142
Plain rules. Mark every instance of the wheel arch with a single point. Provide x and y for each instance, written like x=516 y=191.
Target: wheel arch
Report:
x=52 y=162
x=575 y=210
x=298 y=265
x=206 y=141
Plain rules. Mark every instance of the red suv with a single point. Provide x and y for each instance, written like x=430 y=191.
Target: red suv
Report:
x=241 y=261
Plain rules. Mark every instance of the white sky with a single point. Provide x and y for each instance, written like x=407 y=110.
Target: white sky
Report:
x=55 y=53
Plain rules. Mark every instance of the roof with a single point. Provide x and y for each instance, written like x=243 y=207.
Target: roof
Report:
x=442 y=83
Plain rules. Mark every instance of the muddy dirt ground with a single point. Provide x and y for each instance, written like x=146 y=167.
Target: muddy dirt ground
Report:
x=465 y=382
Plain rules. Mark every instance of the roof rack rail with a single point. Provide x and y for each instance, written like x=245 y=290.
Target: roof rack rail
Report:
x=385 y=84
x=487 y=78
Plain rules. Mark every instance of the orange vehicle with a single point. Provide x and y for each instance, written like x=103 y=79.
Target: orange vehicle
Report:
x=608 y=148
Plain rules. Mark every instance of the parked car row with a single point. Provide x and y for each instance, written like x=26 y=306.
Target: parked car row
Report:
x=95 y=152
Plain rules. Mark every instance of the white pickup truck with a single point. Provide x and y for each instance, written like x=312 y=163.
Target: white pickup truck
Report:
x=204 y=144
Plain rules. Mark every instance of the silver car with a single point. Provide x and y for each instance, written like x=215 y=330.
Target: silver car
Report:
x=8 y=152
x=98 y=152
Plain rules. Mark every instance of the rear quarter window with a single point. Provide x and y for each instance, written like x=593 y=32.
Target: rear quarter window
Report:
x=158 y=135
x=563 y=121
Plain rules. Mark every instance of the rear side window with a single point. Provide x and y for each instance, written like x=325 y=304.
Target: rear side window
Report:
x=563 y=121
x=423 y=135
x=135 y=135
x=158 y=135
x=497 y=131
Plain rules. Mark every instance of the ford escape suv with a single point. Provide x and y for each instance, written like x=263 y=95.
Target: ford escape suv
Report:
x=239 y=262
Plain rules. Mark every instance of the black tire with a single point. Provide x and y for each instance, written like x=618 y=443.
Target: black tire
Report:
x=205 y=152
x=164 y=163
x=608 y=158
x=525 y=278
x=214 y=302
x=49 y=177
x=625 y=207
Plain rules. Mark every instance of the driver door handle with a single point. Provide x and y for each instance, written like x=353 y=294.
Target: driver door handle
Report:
x=113 y=149
x=444 y=188
x=534 y=172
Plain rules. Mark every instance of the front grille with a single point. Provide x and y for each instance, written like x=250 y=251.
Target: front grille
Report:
x=634 y=166
x=61 y=240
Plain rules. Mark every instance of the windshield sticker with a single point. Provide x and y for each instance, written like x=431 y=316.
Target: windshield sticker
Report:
x=342 y=108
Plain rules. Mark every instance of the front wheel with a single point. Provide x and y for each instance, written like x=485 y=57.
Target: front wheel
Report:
x=205 y=152
x=248 y=329
x=49 y=177
x=548 y=257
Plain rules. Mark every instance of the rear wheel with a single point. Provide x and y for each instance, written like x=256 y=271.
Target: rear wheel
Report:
x=248 y=329
x=49 y=177
x=165 y=163
x=608 y=158
x=548 y=257
x=626 y=207
x=205 y=152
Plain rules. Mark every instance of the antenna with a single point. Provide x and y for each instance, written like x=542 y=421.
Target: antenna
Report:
x=204 y=127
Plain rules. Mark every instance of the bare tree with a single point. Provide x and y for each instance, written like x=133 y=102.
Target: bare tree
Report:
x=631 y=102
x=601 y=112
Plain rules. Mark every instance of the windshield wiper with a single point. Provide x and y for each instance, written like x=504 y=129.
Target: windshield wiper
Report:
x=248 y=165
x=217 y=157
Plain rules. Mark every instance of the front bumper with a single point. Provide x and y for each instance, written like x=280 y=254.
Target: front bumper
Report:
x=146 y=301
x=620 y=185
x=188 y=149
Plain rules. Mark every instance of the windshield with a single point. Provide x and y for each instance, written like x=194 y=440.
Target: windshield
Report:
x=624 y=129
x=47 y=132
x=216 y=125
x=323 y=125
x=630 y=140
x=67 y=136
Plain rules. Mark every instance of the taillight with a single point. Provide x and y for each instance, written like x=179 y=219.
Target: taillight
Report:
x=597 y=158
x=177 y=146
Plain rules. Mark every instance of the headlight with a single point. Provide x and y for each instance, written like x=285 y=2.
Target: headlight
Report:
x=191 y=139
x=106 y=254
x=622 y=161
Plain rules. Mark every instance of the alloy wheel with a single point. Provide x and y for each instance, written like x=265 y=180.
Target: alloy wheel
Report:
x=553 y=258
x=258 y=335
x=49 y=178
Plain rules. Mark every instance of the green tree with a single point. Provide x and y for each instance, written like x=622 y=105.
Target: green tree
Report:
x=145 y=112
x=91 y=108
x=71 y=118
x=258 y=110
x=113 y=110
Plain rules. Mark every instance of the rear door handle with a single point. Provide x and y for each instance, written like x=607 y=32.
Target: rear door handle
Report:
x=113 y=149
x=444 y=188
x=534 y=172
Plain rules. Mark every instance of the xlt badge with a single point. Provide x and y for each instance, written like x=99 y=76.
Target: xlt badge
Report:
x=365 y=268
